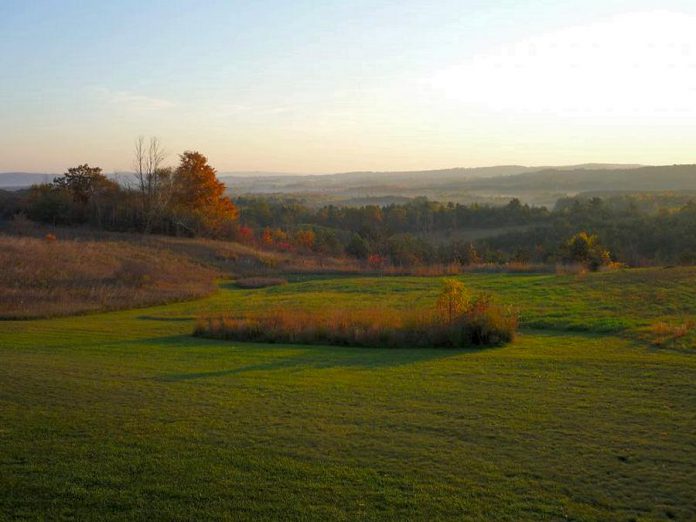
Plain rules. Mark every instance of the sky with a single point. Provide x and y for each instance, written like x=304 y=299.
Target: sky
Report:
x=332 y=86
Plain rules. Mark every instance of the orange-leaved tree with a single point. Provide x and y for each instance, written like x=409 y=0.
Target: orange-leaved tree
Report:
x=199 y=202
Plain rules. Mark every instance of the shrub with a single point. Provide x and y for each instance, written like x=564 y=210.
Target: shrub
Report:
x=486 y=323
x=585 y=249
x=477 y=322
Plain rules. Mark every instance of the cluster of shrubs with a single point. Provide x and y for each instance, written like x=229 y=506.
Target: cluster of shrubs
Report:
x=458 y=320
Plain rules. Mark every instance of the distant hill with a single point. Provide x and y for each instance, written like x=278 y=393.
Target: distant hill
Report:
x=673 y=177
x=16 y=180
x=494 y=185
x=380 y=182
x=364 y=179
x=262 y=181
x=20 y=180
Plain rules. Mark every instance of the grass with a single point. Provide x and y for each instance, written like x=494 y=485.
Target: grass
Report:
x=260 y=282
x=50 y=271
x=49 y=277
x=125 y=415
x=481 y=325
x=624 y=302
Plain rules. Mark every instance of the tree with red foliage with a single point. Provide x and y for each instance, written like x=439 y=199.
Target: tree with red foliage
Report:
x=245 y=234
x=267 y=237
x=375 y=261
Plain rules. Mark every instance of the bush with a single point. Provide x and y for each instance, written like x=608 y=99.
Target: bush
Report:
x=585 y=249
x=485 y=323
x=478 y=322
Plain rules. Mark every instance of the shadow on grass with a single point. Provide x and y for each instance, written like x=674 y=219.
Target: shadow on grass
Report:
x=302 y=357
x=173 y=319
x=276 y=365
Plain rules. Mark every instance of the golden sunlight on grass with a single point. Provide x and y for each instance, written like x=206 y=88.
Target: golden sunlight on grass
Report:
x=48 y=277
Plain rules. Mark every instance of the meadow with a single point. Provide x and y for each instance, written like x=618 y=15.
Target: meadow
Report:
x=126 y=415
x=54 y=271
x=47 y=277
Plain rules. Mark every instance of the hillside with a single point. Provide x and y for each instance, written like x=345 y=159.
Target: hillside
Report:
x=60 y=271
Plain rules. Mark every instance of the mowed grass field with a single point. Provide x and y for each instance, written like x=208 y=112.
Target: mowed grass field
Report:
x=125 y=415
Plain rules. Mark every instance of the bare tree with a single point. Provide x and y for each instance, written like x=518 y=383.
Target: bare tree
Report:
x=153 y=181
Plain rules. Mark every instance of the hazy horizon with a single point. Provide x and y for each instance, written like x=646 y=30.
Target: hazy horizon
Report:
x=337 y=87
x=264 y=173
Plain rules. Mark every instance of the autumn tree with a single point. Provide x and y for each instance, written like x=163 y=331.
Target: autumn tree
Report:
x=267 y=237
x=305 y=239
x=452 y=301
x=198 y=198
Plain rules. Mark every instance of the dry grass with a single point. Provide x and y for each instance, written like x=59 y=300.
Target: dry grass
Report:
x=260 y=282
x=571 y=269
x=233 y=259
x=49 y=271
x=664 y=334
x=49 y=277
x=354 y=267
x=482 y=324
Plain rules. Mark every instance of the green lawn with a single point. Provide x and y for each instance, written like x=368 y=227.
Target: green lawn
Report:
x=126 y=416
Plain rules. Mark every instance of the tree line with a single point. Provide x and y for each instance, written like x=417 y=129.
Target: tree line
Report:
x=593 y=231
x=189 y=200
x=184 y=200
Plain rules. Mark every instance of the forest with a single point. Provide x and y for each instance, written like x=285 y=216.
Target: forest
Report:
x=634 y=229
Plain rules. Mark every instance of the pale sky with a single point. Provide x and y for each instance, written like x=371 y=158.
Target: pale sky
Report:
x=332 y=86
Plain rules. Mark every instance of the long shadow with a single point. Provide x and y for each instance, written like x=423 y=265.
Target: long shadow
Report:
x=176 y=377
x=173 y=319
x=304 y=357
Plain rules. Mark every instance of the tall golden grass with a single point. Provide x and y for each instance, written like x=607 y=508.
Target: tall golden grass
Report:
x=44 y=277
x=663 y=334
x=481 y=324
